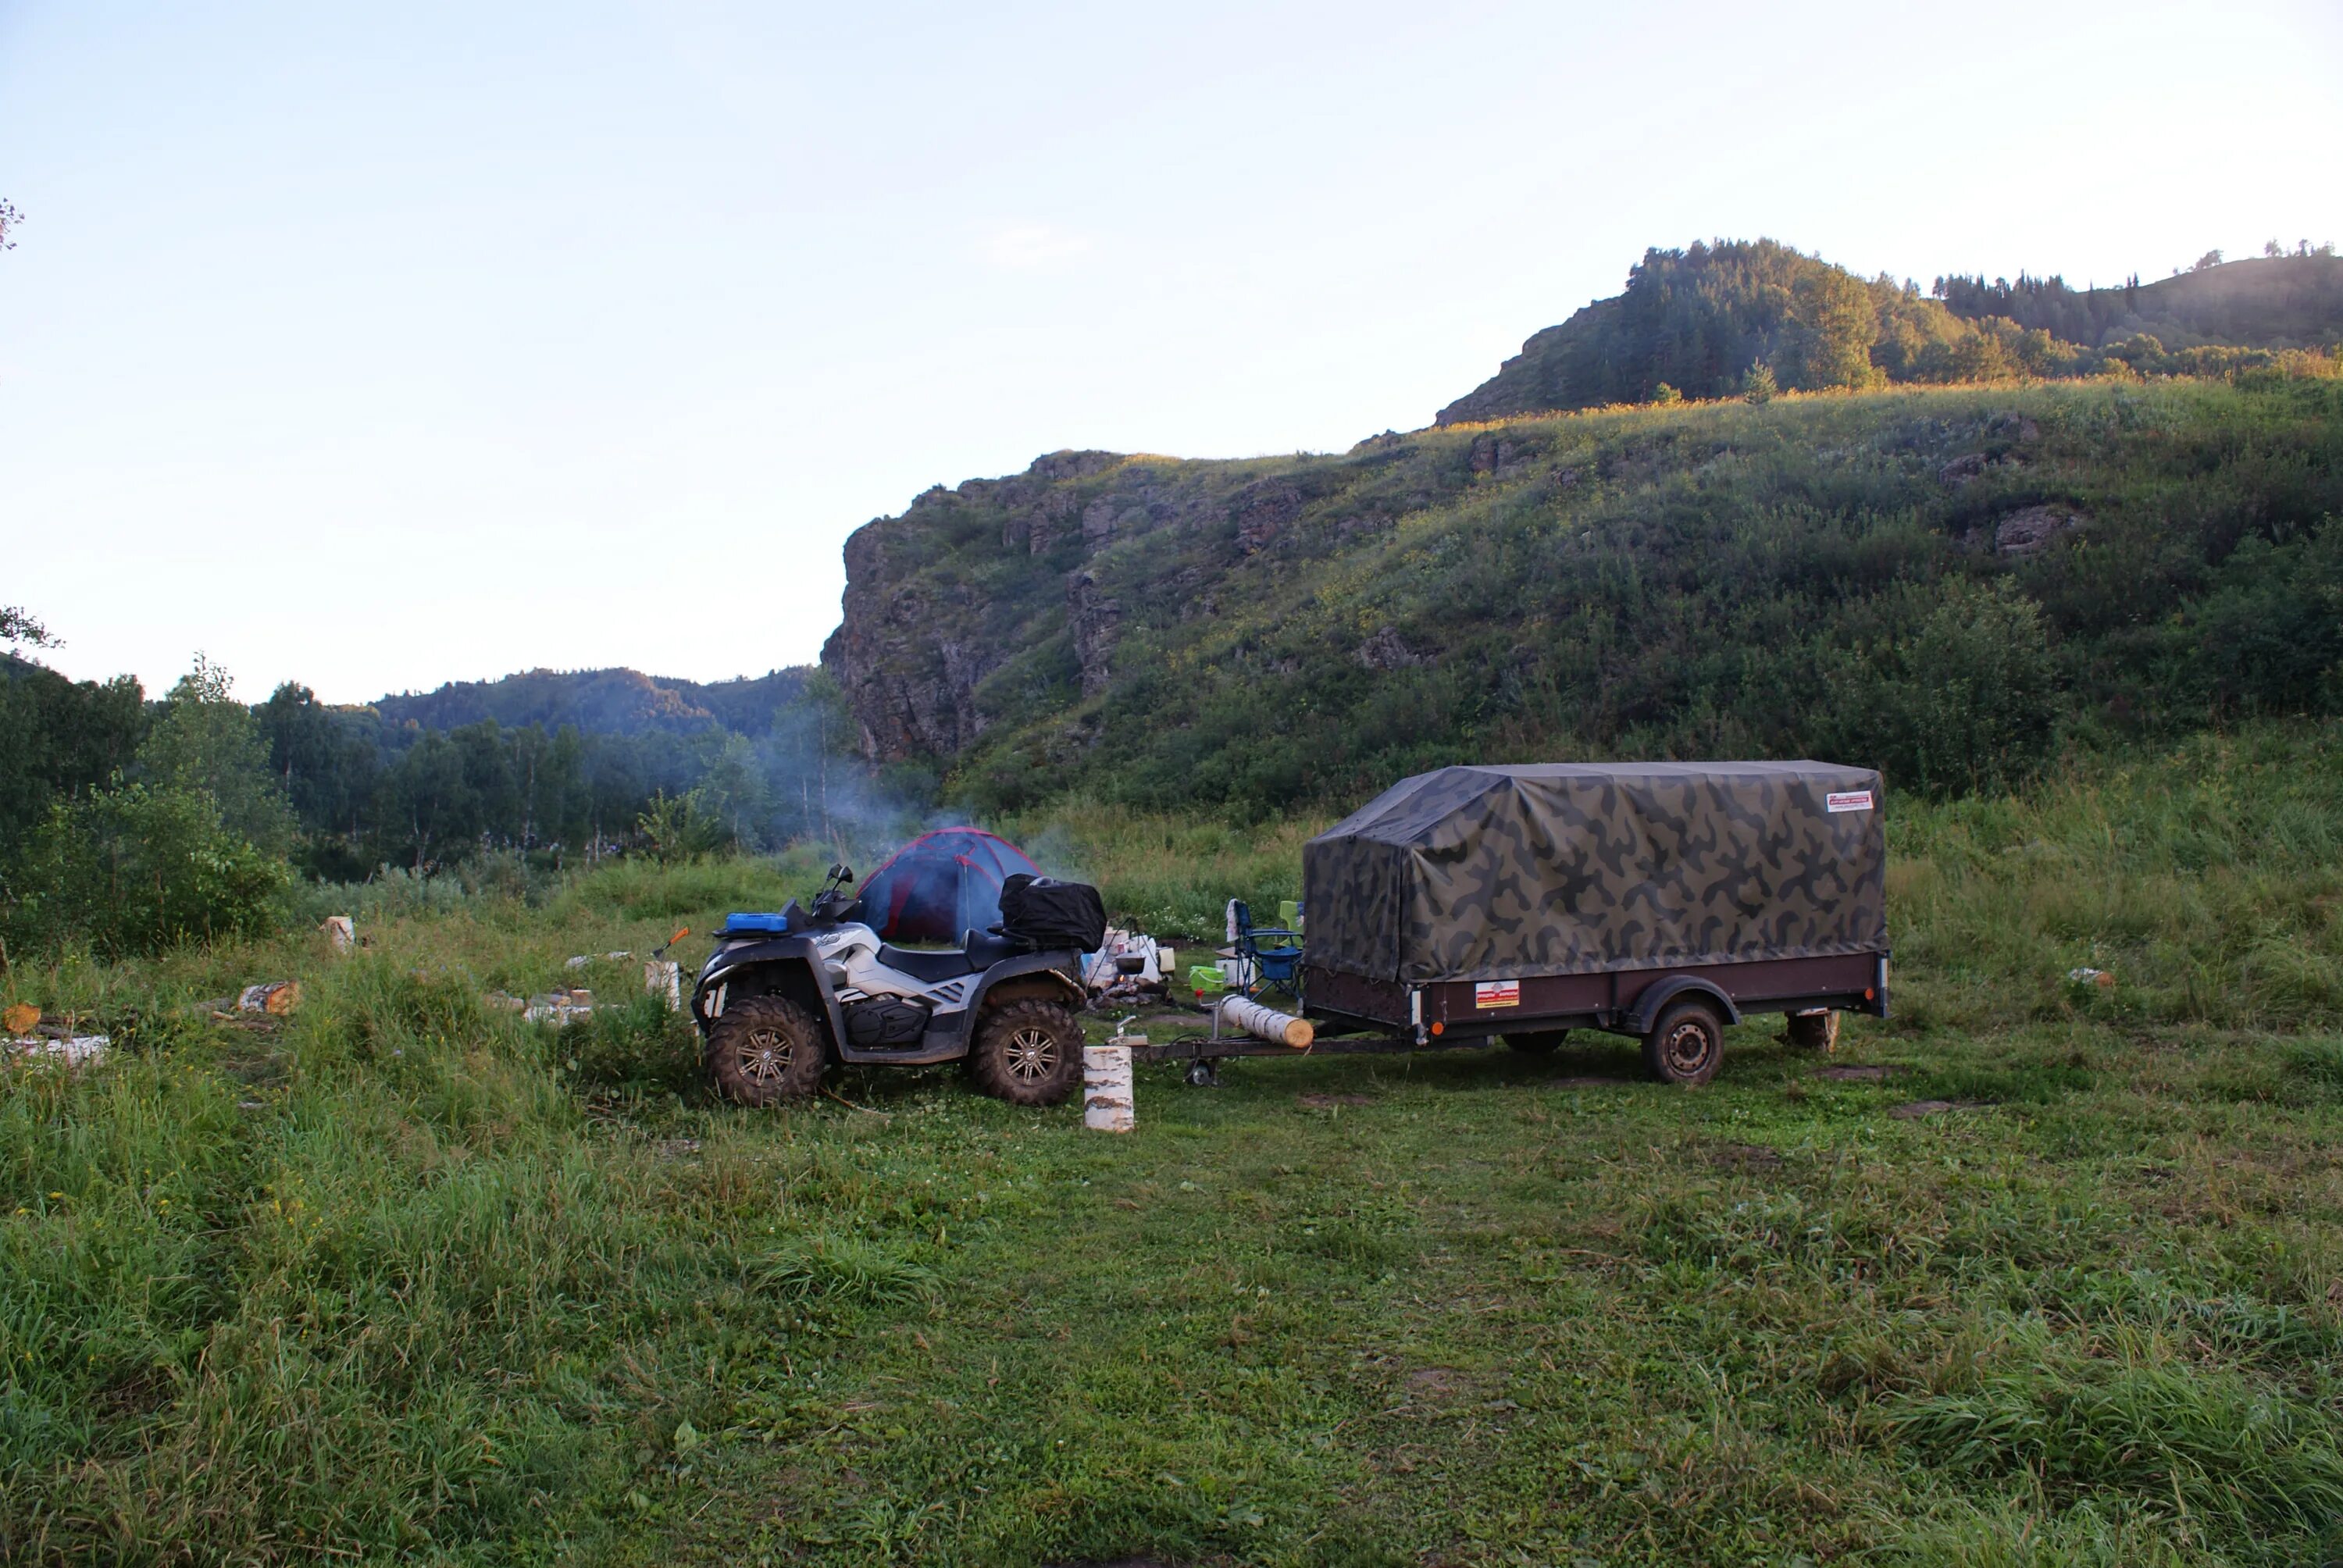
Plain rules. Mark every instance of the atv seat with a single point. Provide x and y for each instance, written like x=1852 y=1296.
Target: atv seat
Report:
x=984 y=950
x=930 y=966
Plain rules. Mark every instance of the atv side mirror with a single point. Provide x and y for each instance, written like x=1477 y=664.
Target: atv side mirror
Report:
x=840 y=871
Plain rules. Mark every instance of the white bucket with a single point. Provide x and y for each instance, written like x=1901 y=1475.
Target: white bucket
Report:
x=1107 y=1105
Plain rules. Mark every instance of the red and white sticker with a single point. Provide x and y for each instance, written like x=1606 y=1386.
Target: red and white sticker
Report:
x=1497 y=993
x=1849 y=800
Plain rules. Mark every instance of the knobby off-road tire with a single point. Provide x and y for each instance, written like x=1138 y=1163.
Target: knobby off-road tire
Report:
x=765 y=1049
x=1813 y=1030
x=1541 y=1043
x=1687 y=1044
x=1028 y=1053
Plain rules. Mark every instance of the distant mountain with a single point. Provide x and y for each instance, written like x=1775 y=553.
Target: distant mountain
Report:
x=603 y=702
x=1696 y=322
x=2271 y=301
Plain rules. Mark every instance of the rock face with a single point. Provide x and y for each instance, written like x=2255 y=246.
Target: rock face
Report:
x=1262 y=511
x=1091 y=620
x=2030 y=529
x=914 y=647
x=907 y=671
x=1385 y=649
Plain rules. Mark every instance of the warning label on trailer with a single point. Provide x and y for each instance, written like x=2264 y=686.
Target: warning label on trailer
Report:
x=1497 y=993
x=1849 y=800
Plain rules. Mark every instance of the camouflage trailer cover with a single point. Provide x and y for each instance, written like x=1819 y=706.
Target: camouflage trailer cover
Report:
x=1494 y=872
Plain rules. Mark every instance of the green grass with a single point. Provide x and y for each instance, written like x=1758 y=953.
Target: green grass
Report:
x=408 y=1279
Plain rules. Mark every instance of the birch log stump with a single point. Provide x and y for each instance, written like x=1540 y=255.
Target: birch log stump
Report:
x=1107 y=1103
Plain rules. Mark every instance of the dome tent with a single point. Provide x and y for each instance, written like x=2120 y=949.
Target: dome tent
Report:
x=942 y=884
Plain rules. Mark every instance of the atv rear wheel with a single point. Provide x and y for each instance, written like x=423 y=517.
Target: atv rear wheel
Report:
x=1029 y=1052
x=765 y=1049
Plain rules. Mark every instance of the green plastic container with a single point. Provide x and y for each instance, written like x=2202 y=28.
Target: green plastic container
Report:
x=1206 y=977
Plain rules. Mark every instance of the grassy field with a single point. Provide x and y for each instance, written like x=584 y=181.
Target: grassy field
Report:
x=2035 y=1272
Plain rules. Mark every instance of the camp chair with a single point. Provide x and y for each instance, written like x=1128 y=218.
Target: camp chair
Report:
x=1266 y=955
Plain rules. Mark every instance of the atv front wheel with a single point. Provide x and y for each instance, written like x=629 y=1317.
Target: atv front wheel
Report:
x=765 y=1049
x=1028 y=1053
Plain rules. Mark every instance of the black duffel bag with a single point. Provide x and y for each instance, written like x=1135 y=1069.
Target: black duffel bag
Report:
x=1043 y=912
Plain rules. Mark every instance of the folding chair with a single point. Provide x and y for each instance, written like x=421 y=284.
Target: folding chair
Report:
x=1266 y=955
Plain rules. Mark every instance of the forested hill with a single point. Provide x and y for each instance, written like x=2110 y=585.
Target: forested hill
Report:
x=603 y=702
x=2272 y=302
x=1946 y=582
x=1706 y=321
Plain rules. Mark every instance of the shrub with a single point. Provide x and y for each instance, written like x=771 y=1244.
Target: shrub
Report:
x=133 y=870
x=1968 y=703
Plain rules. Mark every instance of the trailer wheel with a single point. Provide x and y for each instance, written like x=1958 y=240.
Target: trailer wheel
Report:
x=1687 y=1044
x=765 y=1049
x=1814 y=1030
x=1029 y=1052
x=1540 y=1043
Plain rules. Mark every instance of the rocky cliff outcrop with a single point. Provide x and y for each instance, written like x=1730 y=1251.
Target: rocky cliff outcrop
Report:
x=1086 y=541
x=908 y=672
x=912 y=651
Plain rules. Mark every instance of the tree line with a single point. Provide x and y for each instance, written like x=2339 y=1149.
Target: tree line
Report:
x=131 y=823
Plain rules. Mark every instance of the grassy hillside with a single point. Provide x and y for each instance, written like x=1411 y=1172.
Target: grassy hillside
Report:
x=404 y=1279
x=1948 y=583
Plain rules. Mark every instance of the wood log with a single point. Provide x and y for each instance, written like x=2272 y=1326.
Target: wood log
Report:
x=20 y=1019
x=1267 y=1024
x=276 y=998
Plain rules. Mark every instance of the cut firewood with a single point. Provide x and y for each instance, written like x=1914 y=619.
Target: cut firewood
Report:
x=276 y=998
x=20 y=1019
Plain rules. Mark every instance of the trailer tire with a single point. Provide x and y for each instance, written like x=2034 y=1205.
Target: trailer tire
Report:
x=1028 y=1052
x=1539 y=1042
x=1813 y=1030
x=765 y=1049
x=1687 y=1044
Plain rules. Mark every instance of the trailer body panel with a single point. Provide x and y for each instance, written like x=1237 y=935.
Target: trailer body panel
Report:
x=1506 y=874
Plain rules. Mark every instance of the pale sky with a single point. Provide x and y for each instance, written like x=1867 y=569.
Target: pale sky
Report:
x=375 y=347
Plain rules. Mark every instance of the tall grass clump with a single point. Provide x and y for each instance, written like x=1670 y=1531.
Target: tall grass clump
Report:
x=2205 y=879
x=2246 y=1455
x=341 y=1288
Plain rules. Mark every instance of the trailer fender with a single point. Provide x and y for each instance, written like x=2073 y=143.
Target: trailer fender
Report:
x=1659 y=993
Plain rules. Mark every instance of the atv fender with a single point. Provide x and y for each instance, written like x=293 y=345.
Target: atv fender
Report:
x=1047 y=975
x=786 y=965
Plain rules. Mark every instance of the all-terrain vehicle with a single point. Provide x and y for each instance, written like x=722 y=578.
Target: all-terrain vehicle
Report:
x=784 y=995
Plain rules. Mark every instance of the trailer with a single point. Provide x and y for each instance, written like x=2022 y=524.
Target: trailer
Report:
x=1659 y=900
